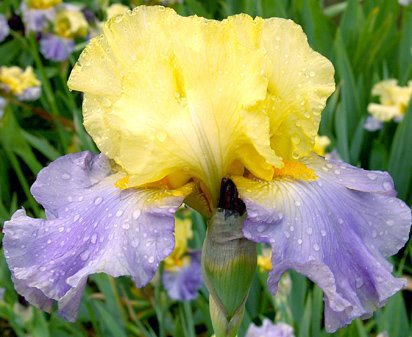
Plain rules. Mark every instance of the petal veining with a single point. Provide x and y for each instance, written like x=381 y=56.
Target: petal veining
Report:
x=91 y=227
x=336 y=230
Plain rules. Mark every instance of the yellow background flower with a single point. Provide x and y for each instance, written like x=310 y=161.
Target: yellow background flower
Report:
x=16 y=80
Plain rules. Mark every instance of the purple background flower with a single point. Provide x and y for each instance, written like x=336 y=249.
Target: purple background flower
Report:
x=56 y=48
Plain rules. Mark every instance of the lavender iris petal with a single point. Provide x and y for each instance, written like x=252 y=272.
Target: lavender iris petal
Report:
x=337 y=230
x=184 y=283
x=268 y=329
x=91 y=227
x=36 y=20
x=56 y=48
x=4 y=28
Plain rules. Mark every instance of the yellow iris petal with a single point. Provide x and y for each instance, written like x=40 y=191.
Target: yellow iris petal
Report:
x=183 y=233
x=70 y=23
x=166 y=94
x=17 y=80
x=171 y=97
x=43 y=4
x=300 y=81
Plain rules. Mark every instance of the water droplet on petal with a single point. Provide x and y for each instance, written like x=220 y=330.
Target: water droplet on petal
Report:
x=316 y=247
x=387 y=186
x=358 y=282
x=119 y=213
x=66 y=176
x=372 y=176
x=85 y=255
x=390 y=222
x=136 y=214
x=93 y=239
x=300 y=241
x=98 y=200
x=260 y=228
x=309 y=230
x=161 y=136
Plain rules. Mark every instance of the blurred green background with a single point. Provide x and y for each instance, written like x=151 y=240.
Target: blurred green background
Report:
x=367 y=41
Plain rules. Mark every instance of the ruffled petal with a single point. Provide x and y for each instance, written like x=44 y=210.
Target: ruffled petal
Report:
x=336 y=230
x=91 y=227
x=184 y=282
x=300 y=81
x=174 y=84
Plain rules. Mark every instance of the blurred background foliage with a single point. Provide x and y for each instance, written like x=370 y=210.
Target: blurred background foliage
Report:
x=367 y=41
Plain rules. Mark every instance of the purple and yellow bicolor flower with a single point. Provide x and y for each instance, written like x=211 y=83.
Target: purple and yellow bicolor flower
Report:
x=182 y=274
x=69 y=24
x=176 y=104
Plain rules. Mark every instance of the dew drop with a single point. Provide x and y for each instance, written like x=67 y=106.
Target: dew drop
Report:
x=296 y=139
x=85 y=255
x=340 y=221
x=151 y=259
x=98 y=201
x=390 y=222
x=260 y=228
x=323 y=232
x=66 y=176
x=387 y=186
x=372 y=176
x=136 y=214
x=93 y=239
x=300 y=241
x=287 y=234
x=309 y=230
x=125 y=226
x=337 y=171
x=76 y=217
x=49 y=241
x=161 y=136
x=119 y=213
x=358 y=282
x=61 y=229
x=297 y=203
x=316 y=247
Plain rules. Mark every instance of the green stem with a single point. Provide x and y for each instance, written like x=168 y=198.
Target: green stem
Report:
x=23 y=181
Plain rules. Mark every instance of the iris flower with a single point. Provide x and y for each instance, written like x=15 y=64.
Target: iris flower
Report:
x=394 y=101
x=23 y=84
x=182 y=276
x=176 y=104
x=69 y=24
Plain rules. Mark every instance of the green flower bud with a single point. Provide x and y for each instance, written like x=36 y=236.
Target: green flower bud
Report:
x=228 y=263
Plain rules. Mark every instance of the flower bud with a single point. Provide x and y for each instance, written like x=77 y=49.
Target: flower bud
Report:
x=228 y=262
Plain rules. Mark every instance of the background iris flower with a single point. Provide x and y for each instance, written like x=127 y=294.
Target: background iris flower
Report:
x=176 y=104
